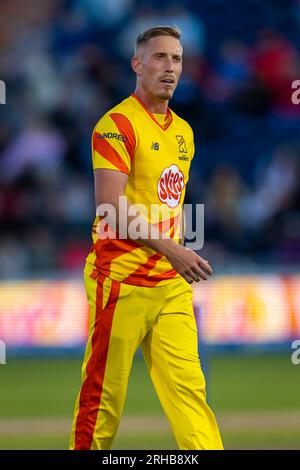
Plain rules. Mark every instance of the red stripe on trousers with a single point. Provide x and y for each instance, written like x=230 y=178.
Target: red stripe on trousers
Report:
x=91 y=391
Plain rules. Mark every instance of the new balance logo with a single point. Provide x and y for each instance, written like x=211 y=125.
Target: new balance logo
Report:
x=155 y=146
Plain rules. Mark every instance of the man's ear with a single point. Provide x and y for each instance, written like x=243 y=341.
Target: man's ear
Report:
x=136 y=64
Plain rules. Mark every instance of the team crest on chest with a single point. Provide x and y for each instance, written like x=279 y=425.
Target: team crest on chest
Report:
x=170 y=185
x=181 y=143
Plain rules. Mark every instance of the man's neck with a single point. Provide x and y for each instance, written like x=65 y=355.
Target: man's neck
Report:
x=153 y=103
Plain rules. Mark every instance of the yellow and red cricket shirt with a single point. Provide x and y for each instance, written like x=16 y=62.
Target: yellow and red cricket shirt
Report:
x=155 y=151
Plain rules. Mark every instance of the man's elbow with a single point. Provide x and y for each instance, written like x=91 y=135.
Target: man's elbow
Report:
x=109 y=203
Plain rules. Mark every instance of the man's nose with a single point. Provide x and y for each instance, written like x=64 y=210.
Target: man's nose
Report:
x=169 y=66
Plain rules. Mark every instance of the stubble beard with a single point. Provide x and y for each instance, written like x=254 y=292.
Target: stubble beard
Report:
x=166 y=95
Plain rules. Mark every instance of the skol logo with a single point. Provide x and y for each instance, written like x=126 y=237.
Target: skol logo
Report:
x=170 y=185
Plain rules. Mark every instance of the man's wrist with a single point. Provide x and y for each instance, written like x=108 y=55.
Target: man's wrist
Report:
x=167 y=247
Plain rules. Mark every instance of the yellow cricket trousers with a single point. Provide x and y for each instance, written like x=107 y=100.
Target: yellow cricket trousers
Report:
x=160 y=320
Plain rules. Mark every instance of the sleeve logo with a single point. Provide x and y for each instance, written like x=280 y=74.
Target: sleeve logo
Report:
x=112 y=135
x=170 y=186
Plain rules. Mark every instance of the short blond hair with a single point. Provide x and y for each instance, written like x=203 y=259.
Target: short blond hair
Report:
x=150 y=33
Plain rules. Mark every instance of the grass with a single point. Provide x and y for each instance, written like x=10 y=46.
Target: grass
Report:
x=254 y=382
x=40 y=388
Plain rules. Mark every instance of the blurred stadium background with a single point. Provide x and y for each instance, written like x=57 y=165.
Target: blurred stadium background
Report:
x=64 y=64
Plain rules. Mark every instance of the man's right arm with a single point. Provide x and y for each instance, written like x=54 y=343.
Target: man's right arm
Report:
x=109 y=186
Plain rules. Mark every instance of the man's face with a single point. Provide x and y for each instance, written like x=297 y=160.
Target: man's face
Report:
x=158 y=65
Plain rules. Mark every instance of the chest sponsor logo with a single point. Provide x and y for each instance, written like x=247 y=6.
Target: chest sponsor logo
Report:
x=170 y=185
x=181 y=143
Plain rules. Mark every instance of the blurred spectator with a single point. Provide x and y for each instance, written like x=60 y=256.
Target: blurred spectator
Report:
x=14 y=258
x=233 y=70
x=277 y=63
x=104 y=13
x=38 y=148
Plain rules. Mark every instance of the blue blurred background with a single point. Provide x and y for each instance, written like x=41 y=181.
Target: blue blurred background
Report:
x=65 y=63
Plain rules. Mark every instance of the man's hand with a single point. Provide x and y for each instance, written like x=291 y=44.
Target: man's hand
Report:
x=109 y=186
x=188 y=264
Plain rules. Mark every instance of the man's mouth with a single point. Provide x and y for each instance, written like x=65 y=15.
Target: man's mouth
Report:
x=167 y=80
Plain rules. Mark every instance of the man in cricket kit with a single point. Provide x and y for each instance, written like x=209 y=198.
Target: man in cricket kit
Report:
x=139 y=285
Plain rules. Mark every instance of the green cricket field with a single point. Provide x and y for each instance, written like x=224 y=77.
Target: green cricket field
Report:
x=255 y=398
